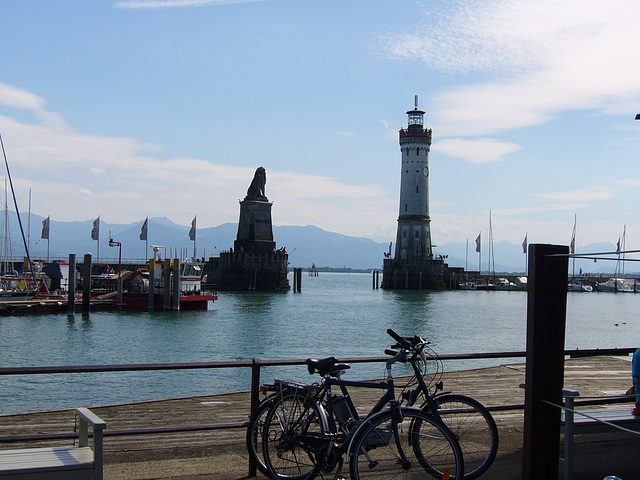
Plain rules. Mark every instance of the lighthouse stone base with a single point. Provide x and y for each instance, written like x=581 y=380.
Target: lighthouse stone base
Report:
x=414 y=274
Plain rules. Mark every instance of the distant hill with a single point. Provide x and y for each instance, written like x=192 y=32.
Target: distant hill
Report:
x=306 y=245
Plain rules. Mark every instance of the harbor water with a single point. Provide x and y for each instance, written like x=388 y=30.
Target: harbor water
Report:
x=336 y=314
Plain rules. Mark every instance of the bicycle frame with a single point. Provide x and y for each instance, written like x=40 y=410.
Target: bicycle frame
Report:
x=341 y=443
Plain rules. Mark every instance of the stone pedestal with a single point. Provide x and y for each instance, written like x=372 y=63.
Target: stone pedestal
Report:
x=255 y=231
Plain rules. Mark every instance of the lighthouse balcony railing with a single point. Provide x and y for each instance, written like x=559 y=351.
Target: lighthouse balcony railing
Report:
x=427 y=132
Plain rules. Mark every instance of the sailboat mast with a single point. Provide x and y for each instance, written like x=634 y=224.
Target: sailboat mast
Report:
x=623 y=246
x=573 y=246
x=29 y=224
x=15 y=202
x=491 y=266
x=466 y=257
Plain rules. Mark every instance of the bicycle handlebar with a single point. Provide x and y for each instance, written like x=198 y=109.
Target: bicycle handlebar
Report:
x=403 y=342
x=408 y=343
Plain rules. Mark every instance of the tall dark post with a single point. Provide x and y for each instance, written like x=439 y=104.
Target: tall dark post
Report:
x=175 y=290
x=546 y=315
x=71 y=287
x=86 y=284
x=152 y=282
x=166 y=277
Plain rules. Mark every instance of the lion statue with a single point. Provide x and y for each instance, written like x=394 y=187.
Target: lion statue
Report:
x=256 y=189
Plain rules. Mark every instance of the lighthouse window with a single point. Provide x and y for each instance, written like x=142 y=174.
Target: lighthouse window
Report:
x=405 y=207
x=417 y=188
x=417 y=234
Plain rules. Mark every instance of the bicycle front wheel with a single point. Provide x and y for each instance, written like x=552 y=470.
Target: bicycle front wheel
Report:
x=293 y=429
x=424 y=448
x=475 y=430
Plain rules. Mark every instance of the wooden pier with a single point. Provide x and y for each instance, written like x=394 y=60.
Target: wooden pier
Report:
x=48 y=305
x=132 y=452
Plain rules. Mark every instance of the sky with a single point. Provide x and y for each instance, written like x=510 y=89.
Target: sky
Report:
x=125 y=109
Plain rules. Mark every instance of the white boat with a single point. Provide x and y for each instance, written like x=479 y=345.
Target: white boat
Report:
x=578 y=286
x=521 y=283
x=505 y=284
x=615 y=285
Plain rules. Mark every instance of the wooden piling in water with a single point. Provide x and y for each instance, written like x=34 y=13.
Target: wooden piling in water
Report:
x=86 y=284
x=175 y=303
x=166 y=282
x=71 y=287
x=152 y=280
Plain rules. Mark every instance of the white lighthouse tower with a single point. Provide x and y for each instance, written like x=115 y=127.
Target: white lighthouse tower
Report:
x=413 y=266
x=413 y=240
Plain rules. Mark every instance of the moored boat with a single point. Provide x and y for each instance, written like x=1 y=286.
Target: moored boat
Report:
x=135 y=290
x=578 y=286
x=615 y=285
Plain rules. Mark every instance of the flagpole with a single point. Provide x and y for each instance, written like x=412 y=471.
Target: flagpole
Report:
x=466 y=257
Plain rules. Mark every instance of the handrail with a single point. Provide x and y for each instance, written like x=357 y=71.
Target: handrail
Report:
x=41 y=370
x=255 y=364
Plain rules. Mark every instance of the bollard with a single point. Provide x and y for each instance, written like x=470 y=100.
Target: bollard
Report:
x=71 y=287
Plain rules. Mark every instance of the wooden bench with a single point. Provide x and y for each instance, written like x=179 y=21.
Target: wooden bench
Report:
x=59 y=463
x=575 y=424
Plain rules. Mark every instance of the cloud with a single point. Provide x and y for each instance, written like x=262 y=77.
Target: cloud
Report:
x=586 y=195
x=484 y=150
x=77 y=176
x=17 y=98
x=527 y=61
x=177 y=3
x=345 y=133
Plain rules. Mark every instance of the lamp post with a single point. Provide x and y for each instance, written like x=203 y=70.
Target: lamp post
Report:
x=113 y=243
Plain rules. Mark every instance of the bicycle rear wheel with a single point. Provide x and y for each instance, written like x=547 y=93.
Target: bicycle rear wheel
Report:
x=475 y=430
x=255 y=430
x=292 y=431
x=428 y=446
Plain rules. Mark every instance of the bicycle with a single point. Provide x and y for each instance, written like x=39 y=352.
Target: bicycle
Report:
x=308 y=430
x=471 y=422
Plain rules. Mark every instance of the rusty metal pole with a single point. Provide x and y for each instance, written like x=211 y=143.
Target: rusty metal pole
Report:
x=546 y=316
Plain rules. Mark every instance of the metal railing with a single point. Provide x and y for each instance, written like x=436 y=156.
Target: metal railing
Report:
x=256 y=365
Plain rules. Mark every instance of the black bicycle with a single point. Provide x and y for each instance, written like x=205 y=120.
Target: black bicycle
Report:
x=308 y=431
x=471 y=422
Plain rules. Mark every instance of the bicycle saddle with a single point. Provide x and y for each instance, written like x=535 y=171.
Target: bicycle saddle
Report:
x=325 y=366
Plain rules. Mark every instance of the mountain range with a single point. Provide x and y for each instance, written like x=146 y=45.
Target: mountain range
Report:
x=306 y=245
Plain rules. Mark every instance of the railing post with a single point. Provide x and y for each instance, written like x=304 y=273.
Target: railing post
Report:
x=546 y=316
x=255 y=401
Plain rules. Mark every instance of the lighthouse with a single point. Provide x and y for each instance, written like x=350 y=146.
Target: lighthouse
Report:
x=413 y=240
x=413 y=265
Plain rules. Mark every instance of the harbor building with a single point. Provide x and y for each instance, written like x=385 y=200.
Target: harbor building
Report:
x=413 y=266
